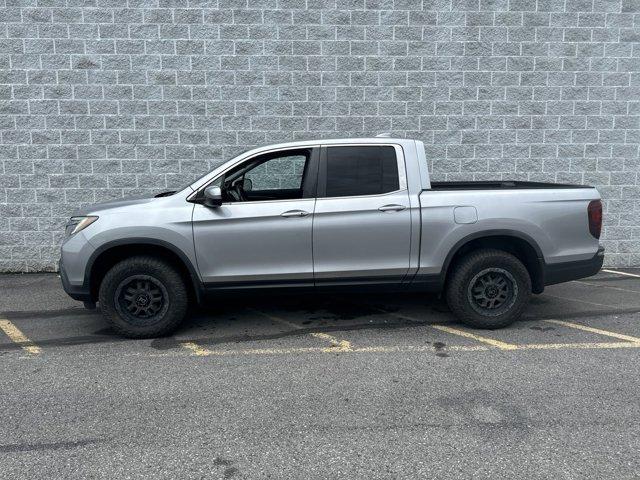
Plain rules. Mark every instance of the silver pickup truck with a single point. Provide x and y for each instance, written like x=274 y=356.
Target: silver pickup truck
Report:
x=357 y=213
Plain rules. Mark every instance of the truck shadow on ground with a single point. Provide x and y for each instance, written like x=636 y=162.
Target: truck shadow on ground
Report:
x=313 y=313
x=315 y=310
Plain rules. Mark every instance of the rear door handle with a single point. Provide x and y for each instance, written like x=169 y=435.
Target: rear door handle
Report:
x=392 y=208
x=294 y=213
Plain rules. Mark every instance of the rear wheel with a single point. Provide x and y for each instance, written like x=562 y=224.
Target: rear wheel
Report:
x=143 y=297
x=488 y=289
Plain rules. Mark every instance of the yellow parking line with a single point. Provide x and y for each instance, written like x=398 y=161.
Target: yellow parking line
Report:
x=16 y=335
x=375 y=349
x=579 y=300
x=478 y=338
x=579 y=346
x=420 y=349
x=196 y=349
x=337 y=344
x=606 y=333
x=621 y=273
x=600 y=285
x=341 y=345
x=266 y=351
x=453 y=331
x=481 y=348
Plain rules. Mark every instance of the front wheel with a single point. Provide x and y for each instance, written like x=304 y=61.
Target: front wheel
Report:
x=143 y=297
x=488 y=289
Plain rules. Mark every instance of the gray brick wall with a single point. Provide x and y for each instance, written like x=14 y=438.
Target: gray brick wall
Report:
x=105 y=98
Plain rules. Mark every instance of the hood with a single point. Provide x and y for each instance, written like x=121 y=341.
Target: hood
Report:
x=104 y=207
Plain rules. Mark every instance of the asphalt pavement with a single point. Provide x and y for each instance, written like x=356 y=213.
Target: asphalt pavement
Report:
x=348 y=386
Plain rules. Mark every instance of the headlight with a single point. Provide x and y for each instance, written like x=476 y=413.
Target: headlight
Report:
x=77 y=224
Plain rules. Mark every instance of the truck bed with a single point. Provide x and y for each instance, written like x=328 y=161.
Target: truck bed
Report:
x=500 y=185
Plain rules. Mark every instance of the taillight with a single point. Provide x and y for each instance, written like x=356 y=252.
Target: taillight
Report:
x=595 y=217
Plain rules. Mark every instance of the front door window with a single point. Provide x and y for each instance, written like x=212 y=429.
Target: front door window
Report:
x=276 y=176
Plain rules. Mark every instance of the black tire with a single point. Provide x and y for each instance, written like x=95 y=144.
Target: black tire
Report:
x=143 y=297
x=488 y=289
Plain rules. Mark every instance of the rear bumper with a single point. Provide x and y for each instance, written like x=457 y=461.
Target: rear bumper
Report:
x=77 y=292
x=566 y=271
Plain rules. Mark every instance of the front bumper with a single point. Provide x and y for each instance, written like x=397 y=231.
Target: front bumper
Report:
x=75 y=253
x=77 y=292
x=566 y=271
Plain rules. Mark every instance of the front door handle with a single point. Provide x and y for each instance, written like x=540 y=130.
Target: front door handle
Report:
x=294 y=213
x=392 y=208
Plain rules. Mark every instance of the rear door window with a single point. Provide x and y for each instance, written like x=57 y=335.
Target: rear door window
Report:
x=360 y=170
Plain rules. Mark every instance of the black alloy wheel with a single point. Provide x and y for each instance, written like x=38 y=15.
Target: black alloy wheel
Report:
x=492 y=291
x=142 y=299
x=488 y=288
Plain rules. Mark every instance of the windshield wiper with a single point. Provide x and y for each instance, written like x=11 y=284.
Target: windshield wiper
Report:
x=165 y=194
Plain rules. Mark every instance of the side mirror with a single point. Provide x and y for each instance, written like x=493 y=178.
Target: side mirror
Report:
x=212 y=197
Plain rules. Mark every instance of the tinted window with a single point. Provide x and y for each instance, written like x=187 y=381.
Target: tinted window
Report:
x=367 y=170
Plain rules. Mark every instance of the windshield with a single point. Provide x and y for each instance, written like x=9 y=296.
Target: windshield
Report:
x=172 y=190
x=189 y=182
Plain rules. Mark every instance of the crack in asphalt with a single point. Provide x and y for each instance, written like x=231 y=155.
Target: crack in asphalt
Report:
x=43 y=447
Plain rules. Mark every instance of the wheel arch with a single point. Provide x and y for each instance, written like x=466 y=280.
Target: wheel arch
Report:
x=521 y=245
x=111 y=252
